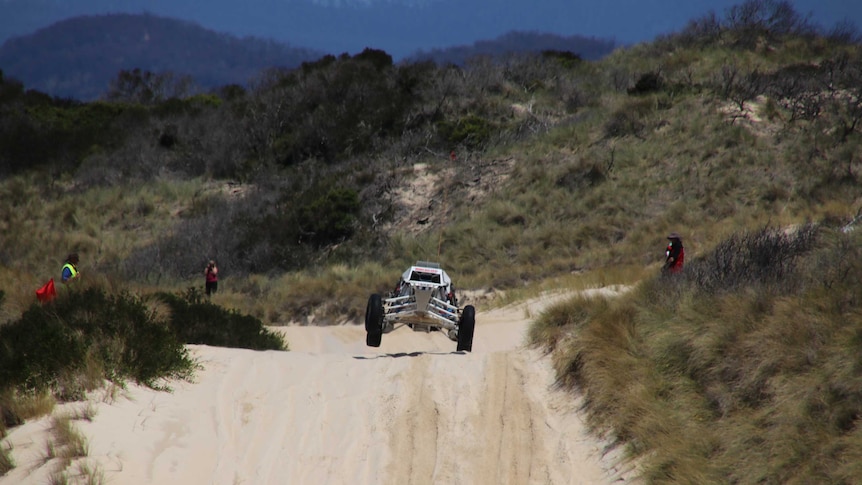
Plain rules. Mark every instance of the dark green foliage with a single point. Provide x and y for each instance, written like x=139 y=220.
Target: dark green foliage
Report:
x=331 y=218
x=308 y=67
x=10 y=89
x=36 y=130
x=338 y=108
x=82 y=337
x=196 y=321
x=231 y=92
x=648 y=82
x=567 y=59
x=472 y=131
x=118 y=331
x=624 y=122
x=378 y=58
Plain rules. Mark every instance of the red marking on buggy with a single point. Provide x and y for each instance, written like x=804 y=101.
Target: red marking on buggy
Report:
x=427 y=270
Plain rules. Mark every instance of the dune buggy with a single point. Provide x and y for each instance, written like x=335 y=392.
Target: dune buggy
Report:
x=424 y=300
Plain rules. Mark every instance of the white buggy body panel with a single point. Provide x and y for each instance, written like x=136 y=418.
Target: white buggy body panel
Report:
x=423 y=300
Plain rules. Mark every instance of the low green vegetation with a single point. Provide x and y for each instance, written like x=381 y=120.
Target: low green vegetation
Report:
x=72 y=344
x=196 y=321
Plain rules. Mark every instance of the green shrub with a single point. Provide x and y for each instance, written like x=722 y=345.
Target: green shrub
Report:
x=471 y=131
x=567 y=59
x=51 y=344
x=195 y=321
x=648 y=82
x=331 y=218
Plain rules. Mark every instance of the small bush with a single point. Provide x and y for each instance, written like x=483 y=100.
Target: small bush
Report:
x=649 y=82
x=472 y=131
x=331 y=218
x=201 y=322
x=567 y=59
x=6 y=461
x=624 y=123
x=50 y=345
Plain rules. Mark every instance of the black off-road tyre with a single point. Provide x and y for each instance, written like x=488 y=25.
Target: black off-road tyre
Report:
x=465 y=329
x=374 y=321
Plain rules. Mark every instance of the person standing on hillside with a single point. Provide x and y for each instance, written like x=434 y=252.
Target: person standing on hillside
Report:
x=70 y=273
x=675 y=254
x=211 y=278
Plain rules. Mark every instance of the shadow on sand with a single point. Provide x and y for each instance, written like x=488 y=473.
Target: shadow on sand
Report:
x=405 y=354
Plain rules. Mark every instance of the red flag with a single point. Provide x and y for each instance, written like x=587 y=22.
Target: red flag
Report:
x=47 y=292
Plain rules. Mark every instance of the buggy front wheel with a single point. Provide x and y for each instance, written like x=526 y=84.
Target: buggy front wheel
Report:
x=465 y=329
x=374 y=321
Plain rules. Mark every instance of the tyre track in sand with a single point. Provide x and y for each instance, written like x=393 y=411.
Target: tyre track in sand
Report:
x=490 y=416
x=486 y=417
x=470 y=419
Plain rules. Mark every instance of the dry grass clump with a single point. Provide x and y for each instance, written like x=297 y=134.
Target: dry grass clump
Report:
x=67 y=442
x=15 y=408
x=18 y=406
x=743 y=369
x=6 y=461
x=69 y=446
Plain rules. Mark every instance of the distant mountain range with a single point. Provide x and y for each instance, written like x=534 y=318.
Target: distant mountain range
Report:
x=403 y=27
x=400 y=27
x=77 y=58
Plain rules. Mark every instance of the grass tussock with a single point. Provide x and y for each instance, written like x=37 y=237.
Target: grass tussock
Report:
x=68 y=445
x=68 y=442
x=91 y=475
x=7 y=463
x=743 y=369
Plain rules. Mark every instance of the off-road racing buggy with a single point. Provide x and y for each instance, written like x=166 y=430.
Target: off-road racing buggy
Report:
x=423 y=300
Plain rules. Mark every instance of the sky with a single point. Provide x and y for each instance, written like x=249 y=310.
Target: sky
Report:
x=403 y=26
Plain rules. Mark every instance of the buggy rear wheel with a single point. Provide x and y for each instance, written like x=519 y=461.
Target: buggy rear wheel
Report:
x=374 y=321
x=465 y=329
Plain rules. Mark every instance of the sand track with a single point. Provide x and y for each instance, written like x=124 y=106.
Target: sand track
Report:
x=333 y=411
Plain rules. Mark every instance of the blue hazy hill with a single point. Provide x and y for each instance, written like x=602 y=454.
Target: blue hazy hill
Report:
x=401 y=27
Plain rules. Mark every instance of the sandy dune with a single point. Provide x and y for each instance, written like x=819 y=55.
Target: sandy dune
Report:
x=333 y=411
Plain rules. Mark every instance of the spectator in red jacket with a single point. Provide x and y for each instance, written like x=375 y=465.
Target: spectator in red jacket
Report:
x=211 y=275
x=675 y=254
